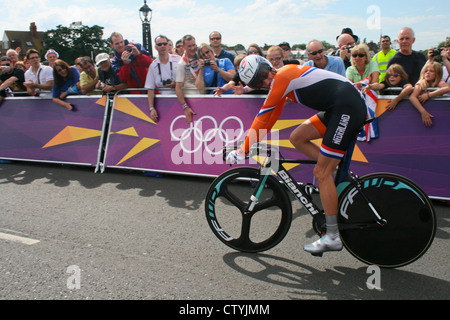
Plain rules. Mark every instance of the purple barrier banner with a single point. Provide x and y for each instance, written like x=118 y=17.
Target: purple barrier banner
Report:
x=409 y=148
x=405 y=146
x=37 y=129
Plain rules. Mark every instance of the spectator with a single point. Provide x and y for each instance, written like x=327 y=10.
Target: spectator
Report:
x=445 y=54
x=395 y=77
x=89 y=76
x=254 y=49
x=286 y=50
x=213 y=72
x=27 y=63
x=362 y=66
x=275 y=56
x=412 y=61
x=384 y=55
x=187 y=72
x=430 y=77
x=215 y=40
x=78 y=65
x=318 y=59
x=11 y=78
x=38 y=77
x=66 y=82
x=51 y=56
x=161 y=73
x=131 y=61
x=179 y=49
x=346 y=41
x=21 y=65
x=170 y=46
x=108 y=80
x=13 y=55
x=287 y=54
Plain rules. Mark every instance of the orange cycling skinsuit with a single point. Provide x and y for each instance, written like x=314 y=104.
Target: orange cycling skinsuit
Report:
x=342 y=112
x=342 y=109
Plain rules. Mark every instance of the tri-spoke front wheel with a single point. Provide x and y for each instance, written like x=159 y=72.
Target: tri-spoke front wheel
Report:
x=226 y=203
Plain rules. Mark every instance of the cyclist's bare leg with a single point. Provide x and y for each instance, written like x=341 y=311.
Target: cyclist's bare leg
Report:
x=301 y=138
x=323 y=172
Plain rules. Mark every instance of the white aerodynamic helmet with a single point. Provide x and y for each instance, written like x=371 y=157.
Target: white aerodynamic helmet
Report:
x=253 y=70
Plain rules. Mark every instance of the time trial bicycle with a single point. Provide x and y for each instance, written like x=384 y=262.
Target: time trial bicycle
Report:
x=384 y=219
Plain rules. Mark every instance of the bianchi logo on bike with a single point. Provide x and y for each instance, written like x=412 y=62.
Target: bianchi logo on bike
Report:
x=293 y=187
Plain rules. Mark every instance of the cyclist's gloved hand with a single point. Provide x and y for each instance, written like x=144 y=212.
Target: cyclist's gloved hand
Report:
x=235 y=156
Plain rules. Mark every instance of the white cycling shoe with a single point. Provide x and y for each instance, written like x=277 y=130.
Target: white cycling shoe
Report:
x=324 y=244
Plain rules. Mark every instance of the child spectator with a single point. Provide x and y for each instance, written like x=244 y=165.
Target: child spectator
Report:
x=395 y=77
x=430 y=77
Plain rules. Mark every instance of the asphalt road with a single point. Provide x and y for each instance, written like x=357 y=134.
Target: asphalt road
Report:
x=68 y=233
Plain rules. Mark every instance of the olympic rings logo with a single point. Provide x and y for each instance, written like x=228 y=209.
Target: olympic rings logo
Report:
x=213 y=134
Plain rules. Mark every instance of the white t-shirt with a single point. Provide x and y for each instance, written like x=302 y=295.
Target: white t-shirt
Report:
x=158 y=72
x=445 y=76
x=43 y=75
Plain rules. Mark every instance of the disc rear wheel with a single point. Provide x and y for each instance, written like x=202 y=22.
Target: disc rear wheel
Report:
x=410 y=220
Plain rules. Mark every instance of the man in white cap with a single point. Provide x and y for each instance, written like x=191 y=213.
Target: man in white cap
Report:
x=108 y=80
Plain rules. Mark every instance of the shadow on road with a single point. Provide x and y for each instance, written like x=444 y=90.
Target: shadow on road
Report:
x=307 y=282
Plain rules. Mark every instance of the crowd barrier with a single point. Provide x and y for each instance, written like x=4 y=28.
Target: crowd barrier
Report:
x=117 y=132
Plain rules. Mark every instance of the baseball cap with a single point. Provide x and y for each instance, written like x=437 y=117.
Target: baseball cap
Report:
x=101 y=57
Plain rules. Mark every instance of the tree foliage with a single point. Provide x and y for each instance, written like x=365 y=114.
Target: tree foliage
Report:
x=74 y=42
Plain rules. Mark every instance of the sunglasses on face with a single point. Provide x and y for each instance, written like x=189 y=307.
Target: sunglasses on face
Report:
x=316 y=52
x=361 y=55
x=393 y=75
x=253 y=51
x=215 y=38
x=162 y=44
x=206 y=52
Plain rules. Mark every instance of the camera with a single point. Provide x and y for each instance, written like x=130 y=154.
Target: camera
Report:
x=102 y=86
x=129 y=48
x=437 y=52
x=166 y=82
x=207 y=62
x=349 y=48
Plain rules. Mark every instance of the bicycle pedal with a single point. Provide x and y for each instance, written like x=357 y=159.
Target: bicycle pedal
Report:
x=311 y=189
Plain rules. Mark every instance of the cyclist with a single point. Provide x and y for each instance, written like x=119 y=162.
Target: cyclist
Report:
x=342 y=112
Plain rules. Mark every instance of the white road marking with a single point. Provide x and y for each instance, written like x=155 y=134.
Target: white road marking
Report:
x=10 y=237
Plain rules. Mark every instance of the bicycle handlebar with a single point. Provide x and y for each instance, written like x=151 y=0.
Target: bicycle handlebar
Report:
x=256 y=149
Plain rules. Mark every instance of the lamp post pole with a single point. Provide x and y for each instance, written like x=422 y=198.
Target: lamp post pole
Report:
x=145 y=14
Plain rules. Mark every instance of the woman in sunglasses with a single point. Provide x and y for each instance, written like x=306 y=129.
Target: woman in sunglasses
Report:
x=214 y=72
x=362 y=66
x=396 y=77
x=66 y=82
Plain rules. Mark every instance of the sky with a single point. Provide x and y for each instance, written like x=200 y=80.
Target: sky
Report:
x=241 y=22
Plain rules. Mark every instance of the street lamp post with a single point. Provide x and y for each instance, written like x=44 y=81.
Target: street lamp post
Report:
x=145 y=13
